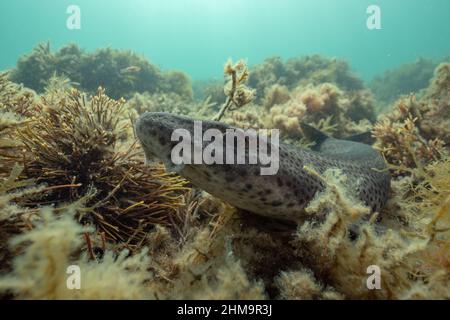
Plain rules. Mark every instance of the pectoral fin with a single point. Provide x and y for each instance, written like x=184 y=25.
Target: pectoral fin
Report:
x=313 y=135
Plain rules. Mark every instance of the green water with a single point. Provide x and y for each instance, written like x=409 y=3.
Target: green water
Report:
x=197 y=36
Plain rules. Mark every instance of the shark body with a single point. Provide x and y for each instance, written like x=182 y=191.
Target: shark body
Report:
x=284 y=195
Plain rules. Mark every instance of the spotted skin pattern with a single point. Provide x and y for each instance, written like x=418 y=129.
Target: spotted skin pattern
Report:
x=284 y=195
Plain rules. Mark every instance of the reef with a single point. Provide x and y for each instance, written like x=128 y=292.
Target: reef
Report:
x=74 y=190
x=300 y=71
x=312 y=89
x=403 y=80
x=304 y=70
x=122 y=73
x=324 y=106
x=75 y=149
x=417 y=131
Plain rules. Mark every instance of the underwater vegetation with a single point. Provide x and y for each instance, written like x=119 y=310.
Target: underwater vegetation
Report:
x=73 y=149
x=313 y=69
x=161 y=102
x=325 y=106
x=417 y=131
x=212 y=89
x=320 y=91
x=237 y=92
x=74 y=190
x=403 y=80
x=122 y=73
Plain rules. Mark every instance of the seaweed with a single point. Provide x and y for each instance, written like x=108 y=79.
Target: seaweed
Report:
x=160 y=102
x=276 y=95
x=39 y=269
x=76 y=147
x=40 y=272
x=238 y=94
x=121 y=72
x=15 y=98
x=416 y=132
x=74 y=190
x=281 y=104
x=313 y=69
x=403 y=80
x=212 y=89
x=324 y=106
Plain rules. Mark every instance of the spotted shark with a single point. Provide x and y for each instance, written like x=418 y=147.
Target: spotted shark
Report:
x=283 y=195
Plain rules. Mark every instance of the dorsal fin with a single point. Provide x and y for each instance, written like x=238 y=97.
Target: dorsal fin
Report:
x=313 y=134
x=318 y=137
x=365 y=137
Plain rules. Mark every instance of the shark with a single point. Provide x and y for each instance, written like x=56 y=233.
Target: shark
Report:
x=283 y=195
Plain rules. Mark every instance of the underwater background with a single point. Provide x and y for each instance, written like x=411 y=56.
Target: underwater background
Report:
x=196 y=36
x=75 y=189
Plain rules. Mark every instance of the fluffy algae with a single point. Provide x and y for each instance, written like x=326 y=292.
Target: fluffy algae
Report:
x=74 y=191
x=122 y=72
x=404 y=80
x=75 y=148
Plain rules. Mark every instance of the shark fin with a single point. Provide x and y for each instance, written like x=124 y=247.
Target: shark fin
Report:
x=365 y=137
x=313 y=134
